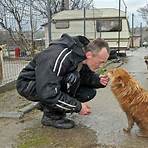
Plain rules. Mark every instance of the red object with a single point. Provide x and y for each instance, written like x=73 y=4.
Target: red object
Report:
x=17 y=52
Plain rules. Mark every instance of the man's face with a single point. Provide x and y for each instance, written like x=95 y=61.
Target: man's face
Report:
x=96 y=60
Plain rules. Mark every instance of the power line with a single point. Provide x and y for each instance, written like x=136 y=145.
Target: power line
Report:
x=124 y=3
x=125 y=6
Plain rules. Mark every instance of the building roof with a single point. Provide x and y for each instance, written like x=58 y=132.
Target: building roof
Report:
x=90 y=14
x=93 y=13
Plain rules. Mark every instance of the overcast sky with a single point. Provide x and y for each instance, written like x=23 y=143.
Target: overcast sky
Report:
x=132 y=6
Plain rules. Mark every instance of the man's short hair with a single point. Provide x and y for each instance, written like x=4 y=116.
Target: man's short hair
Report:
x=97 y=45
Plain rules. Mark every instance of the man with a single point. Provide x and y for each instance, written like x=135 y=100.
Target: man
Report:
x=62 y=78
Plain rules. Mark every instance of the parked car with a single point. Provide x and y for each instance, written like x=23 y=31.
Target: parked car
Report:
x=145 y=44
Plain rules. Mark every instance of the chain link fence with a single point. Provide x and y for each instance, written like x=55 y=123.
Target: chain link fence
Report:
x=12 y=61
x=11 y=69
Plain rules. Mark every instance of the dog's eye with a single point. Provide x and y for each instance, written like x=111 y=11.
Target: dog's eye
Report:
x=111 y=72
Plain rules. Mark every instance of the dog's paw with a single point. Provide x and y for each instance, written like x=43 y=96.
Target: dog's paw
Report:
x=142 y=134
x=126 y=130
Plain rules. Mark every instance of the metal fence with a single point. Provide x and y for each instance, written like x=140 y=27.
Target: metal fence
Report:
x=12 y=61
x=11 y=68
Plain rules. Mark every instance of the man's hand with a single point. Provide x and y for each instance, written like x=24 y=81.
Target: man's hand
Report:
x=104 y=79
x=85 y=110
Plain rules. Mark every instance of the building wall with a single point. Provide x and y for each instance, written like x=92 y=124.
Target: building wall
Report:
x=76 y=27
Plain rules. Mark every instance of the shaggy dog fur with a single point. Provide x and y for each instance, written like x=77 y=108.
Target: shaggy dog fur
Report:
x=132 y=98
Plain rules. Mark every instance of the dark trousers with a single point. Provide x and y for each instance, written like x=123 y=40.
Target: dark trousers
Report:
x=81 y=93
x=77 y=91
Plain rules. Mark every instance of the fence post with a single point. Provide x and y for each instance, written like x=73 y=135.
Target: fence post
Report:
x=1 y=64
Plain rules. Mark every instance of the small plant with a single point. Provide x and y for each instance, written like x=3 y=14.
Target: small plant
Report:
x=102 y=71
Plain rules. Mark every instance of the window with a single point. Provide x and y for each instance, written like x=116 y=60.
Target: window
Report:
x=108 y=25
x=62 y=24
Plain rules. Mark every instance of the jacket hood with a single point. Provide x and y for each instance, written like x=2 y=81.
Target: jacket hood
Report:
x=76 y=43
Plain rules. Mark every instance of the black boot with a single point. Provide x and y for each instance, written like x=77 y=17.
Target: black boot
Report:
x=40 y=106
x=56 y=119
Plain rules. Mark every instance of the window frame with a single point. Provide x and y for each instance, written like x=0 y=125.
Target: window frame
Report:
x=114 y=19
x=62 y=27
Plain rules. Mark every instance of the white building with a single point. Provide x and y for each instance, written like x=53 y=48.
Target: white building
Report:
x=102 y=23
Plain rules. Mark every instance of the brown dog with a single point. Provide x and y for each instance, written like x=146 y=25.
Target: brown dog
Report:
x=132 y=98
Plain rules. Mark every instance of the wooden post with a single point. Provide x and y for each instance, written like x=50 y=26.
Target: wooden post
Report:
x=141 y=34
x=119 y=21
x=1 y=64
x=132 y=30
x=49 y=19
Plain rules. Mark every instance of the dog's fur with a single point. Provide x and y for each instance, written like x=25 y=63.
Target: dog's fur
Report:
x=132 y=98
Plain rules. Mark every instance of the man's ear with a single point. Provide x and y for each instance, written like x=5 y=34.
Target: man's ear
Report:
x=89 y=54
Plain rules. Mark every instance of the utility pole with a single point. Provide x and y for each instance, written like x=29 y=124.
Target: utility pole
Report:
x=125 y=7
x=49 y=19
x=100 y=28
x=32 y=29
x=84 y=21
x=125 y=10
x=62 y=5
x=119 y=21
x=132 y=30
x=141 y=32
x=94 y=23
x=1 y=65
x=65 y=5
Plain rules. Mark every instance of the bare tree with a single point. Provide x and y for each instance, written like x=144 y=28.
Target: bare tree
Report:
x=144 y=13
x=32 y=29
x=80 y=4
x=14 y=11
x=17 y=10
x=57 y=5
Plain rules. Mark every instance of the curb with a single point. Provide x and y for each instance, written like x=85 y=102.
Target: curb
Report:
x=20 y=113
x=7 y=86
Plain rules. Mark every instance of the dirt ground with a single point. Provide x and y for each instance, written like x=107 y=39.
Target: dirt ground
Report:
x=29 y=133
x=11 y=101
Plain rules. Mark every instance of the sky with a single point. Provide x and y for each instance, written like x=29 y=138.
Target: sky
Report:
x=132 y=6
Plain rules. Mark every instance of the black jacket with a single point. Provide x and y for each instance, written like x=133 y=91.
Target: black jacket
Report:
x=41 y=78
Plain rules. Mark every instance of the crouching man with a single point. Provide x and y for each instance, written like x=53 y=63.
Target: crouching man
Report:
x=62 y=78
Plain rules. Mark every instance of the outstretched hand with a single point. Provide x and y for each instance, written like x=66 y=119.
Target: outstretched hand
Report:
x=85 y=110
x=104 y=79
